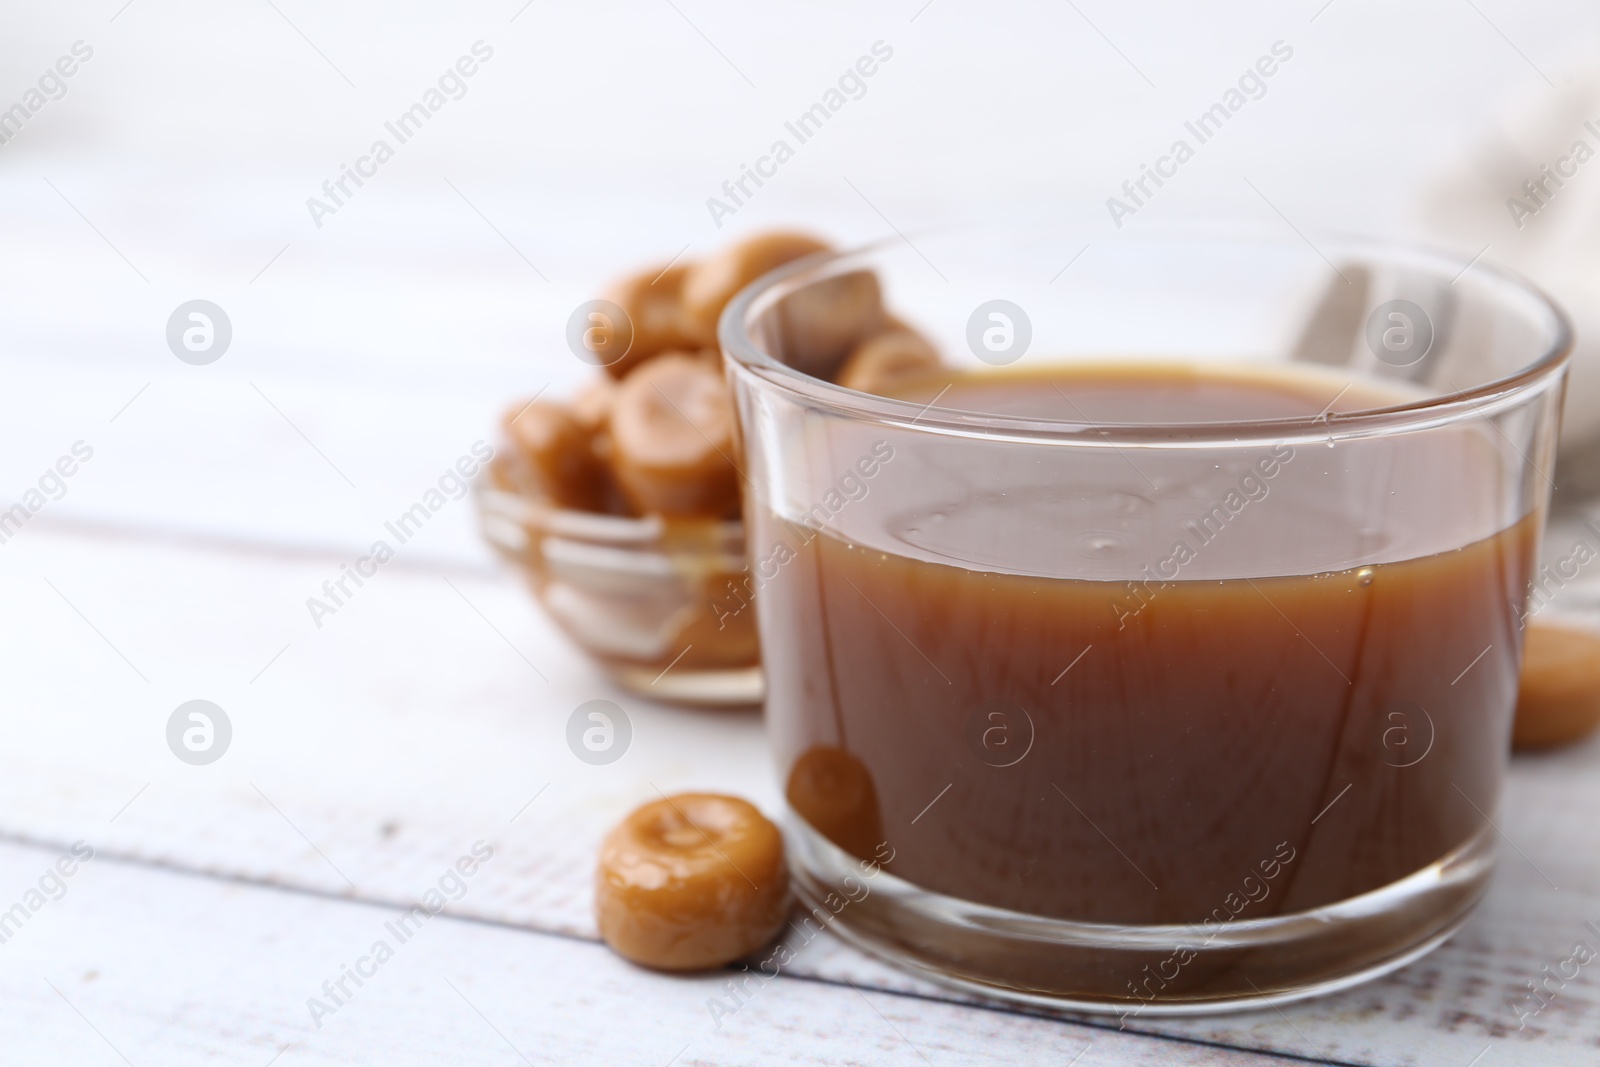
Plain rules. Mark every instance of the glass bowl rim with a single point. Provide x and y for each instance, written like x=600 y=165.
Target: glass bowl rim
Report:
x=747 y=359
x=598 y=527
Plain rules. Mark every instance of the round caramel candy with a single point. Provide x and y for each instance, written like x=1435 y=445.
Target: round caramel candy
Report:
x=833 y=791
x=691 y=882
x=591 y=405
x=714 y=281
x=887 y=360
x=1559 y=699
x=554 y=456
x=660 y=322
x=672 y=439
x=818 y=325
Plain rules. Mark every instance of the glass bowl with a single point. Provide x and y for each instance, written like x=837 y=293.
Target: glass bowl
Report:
x=662 y=604
x=1145 y=713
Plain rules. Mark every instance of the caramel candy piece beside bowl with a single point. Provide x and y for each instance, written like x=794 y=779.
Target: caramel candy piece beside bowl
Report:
x=1558 y=700
x=635 y=593
x=691 y=882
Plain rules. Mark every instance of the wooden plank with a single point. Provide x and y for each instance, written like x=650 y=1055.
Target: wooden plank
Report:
x=134 y=965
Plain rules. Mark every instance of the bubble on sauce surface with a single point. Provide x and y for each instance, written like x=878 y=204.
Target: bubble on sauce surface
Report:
x=1099 y=545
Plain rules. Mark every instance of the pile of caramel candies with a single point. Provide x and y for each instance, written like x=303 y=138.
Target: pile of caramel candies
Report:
x=653 y=434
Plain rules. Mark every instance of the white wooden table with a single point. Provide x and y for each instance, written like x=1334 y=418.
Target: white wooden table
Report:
x=427 y=714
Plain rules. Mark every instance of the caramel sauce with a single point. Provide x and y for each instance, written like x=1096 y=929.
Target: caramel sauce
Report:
x=1115 y=684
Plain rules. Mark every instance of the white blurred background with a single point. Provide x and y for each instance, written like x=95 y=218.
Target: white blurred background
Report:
x=178 y=165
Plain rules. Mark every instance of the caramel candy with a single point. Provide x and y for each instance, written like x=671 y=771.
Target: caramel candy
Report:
x=691 y=882
x=661 y=323
x=554 y=456
x=1559 y=698
x=887 y=360
x=591 y=406
x=819 y=324
x=714 y=281
x=833 y=791
x=672 y=434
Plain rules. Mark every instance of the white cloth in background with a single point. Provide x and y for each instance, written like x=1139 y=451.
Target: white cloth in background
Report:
x=1529 y=189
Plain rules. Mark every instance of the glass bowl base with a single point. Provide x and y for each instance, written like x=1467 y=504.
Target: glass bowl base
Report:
x=1132 y=970
x=728 y=687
